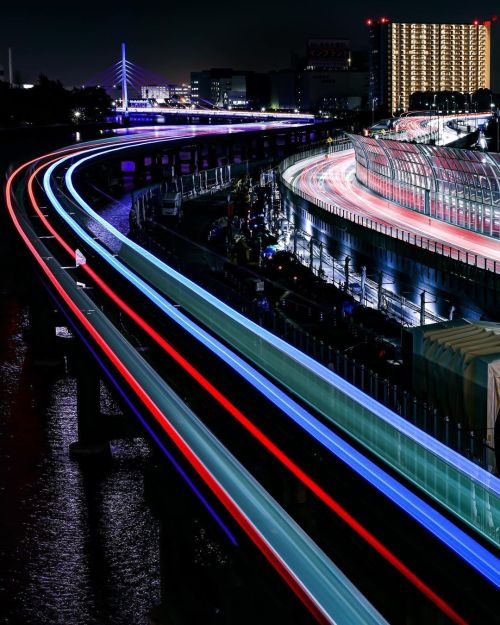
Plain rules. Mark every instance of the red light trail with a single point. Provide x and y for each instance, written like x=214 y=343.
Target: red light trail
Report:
x=223 y=401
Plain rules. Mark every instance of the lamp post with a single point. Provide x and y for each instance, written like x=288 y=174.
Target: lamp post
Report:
x=431 y=106
x=497 y=120
x=429 y=125
x=437 y=115
x=495 y=114
x=374 y=99
x=467 y=109
x=474 y=104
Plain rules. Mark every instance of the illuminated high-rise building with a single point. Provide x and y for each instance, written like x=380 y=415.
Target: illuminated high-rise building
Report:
x=406 y=57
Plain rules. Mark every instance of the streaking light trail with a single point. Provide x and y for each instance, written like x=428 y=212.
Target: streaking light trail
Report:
x=333 y=182
x=286 y=461
x=336 y=594
x=68 y=173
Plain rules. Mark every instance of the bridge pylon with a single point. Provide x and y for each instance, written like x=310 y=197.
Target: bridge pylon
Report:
x=124 y=81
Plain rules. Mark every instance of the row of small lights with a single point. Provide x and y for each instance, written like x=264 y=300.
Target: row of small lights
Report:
x=385 y=20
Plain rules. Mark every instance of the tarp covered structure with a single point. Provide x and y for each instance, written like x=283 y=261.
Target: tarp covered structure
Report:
x=456 y=367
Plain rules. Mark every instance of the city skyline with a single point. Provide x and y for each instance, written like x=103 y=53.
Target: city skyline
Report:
x=173 y=42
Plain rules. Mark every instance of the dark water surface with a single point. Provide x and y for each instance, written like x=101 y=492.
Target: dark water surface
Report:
x=77 y=545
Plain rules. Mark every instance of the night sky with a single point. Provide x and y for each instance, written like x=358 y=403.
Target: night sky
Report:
x=74 y=41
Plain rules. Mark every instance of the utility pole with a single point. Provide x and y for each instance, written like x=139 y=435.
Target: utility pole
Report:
x=497 y=120
x=422 y=308
x=346 y=272
x=11 y=78
x=124 y=82
x=363 y=285
x=379 y=290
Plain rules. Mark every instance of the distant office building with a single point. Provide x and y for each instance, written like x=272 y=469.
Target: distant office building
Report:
x=160 y=93
x=328 y=54
x=319 y=90
x=225 y=87
x=495 y=55
x=329 y=78
x=405 y=58
x=211 y=85
x=283 y=90
x=331 y=90
x=180 y=93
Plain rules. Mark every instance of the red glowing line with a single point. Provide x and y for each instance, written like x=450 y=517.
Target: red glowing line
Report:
x=329 y=181
x=216 y=488
x=253 y=429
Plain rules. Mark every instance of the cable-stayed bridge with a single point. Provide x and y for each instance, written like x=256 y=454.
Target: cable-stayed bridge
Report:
x=131 y=78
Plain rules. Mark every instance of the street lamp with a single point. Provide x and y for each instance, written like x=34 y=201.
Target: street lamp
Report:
x=437 y=122
x=374 y=99
x=494 y=106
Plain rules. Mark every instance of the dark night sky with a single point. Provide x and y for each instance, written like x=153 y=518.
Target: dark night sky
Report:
x=74 y=41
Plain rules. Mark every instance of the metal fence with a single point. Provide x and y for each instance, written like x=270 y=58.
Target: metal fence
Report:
x=468 y=258
x=471 y=444
x=371 y=293
x=456 y=186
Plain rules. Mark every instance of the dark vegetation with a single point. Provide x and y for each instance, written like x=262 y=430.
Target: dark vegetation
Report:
x=49 y=102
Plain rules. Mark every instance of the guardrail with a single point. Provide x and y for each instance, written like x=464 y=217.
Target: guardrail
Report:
x=448 y=478
x=188 y=186
x=431 y=245
x=307 y=569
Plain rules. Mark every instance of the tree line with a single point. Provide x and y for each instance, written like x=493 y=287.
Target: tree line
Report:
x=49 y=102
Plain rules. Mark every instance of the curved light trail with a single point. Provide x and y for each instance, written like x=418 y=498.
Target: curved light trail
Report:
x=472 y=470
x=232 y=325
x=332 y=182
x=349 y=454
x=415 y=127
x=312 y=425
x=325 y=591
x=256 y=329
x=242 y=324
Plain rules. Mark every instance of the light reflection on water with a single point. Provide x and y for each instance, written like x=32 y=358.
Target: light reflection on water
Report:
x=77 y=545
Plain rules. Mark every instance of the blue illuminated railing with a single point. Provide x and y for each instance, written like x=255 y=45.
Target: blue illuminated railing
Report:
x=463 y=488
x=334 y=597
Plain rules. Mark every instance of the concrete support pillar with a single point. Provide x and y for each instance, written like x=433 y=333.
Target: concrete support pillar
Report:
x=175 y=506
x=92 y=440
x=43 y=329
x=204 y=577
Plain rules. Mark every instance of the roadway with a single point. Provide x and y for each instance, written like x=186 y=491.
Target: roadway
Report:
x=420 y=128
x=218 y=113
x=155 y=318
x=331 y=181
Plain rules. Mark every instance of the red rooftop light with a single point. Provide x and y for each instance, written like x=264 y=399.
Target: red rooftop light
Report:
x=476 y=22
x=369 y=21
x=384 y=20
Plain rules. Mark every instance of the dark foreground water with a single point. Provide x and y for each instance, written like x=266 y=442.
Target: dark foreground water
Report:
x=77 y=545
